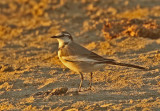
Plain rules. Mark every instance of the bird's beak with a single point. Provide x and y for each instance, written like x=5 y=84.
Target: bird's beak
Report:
x=57 y=36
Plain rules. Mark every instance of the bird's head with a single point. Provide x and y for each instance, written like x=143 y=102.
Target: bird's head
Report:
x=64 y=37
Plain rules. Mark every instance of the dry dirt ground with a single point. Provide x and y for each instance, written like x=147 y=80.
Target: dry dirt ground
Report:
x=125 y=30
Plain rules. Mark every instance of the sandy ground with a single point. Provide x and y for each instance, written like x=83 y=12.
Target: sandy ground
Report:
x=125 y=30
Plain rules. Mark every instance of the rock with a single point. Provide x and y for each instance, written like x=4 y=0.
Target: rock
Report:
x=59 y=91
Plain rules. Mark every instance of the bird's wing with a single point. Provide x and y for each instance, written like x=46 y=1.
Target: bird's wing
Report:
x=78 y=58
x=75 y=52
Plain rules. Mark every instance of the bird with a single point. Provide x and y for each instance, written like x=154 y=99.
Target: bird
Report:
x=81 y=60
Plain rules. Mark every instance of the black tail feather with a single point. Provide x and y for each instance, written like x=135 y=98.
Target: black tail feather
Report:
x=128 y=65
x=123 y=64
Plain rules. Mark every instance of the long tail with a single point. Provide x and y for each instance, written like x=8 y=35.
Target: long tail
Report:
x=124 y=64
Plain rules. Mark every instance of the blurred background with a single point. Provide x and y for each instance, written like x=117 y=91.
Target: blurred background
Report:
x=91 y=19
x=125 y=29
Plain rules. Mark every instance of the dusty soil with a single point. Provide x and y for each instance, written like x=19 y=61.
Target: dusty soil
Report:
x=33 y=78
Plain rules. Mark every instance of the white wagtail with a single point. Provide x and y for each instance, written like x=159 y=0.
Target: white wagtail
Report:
x=80 y=59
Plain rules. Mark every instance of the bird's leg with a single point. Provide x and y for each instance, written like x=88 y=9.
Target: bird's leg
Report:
x=90 y=84
x=80 y=82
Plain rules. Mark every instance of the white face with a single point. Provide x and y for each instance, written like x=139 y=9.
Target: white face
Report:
x=63 y=40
